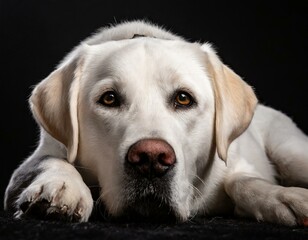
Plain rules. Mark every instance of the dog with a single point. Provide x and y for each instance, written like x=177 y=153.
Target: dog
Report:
x=165 y=129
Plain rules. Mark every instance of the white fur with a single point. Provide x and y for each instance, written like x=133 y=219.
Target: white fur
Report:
x=63 y=187
x=147 y=71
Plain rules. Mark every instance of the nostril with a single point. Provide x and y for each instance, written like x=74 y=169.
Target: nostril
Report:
x=166 y=159
x=161 y=158
x=143 y=158
x=136 y=157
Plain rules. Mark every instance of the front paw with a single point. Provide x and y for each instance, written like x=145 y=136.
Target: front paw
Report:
x=53 y=196
x=287 y=205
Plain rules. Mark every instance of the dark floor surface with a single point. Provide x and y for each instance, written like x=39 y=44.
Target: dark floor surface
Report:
x=200 y=228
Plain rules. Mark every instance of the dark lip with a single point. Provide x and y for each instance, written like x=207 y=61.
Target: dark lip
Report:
x=149 y=209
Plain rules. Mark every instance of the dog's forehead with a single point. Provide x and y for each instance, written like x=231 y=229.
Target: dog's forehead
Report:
x=144 y=56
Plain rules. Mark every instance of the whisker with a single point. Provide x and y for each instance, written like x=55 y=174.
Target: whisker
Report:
x=197 y=190
x=201 y=180
x=115 y=204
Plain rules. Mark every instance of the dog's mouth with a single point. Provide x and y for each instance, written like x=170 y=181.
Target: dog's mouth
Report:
x=148 y=199
x=149 y=209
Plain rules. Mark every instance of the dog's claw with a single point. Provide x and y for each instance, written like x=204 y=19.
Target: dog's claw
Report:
x=64 y=209
x=76 y=216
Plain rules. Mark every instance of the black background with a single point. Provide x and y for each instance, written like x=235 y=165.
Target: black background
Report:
x=265 y=42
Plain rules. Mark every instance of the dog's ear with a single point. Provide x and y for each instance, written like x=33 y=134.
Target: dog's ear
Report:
x=54 y=102
x=234 y=99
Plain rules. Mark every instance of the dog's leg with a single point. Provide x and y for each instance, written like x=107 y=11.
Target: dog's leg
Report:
x=258 y=198
x=287 y=147
x=250 y=182
x=47 y=186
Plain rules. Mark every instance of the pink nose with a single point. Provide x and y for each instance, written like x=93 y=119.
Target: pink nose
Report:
x=151 y=157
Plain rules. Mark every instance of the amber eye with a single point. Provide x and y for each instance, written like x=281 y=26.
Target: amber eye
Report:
x=183 y=99
x=109 y=99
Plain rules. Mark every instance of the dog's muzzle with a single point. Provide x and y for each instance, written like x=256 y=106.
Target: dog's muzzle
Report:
x=149 y=171
x=151 y=158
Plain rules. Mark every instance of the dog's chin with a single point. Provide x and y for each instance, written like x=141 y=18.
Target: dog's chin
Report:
x=147 y=199
x=146 y=209
x=149 y=209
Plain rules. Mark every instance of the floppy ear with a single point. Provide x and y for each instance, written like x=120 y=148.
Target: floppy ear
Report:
x=234 y=99
x=54 y=102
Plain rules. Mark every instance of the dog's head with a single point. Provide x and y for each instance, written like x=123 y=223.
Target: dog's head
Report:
x=147 y=114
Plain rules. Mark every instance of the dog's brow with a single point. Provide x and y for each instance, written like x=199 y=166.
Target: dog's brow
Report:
x=106 y=70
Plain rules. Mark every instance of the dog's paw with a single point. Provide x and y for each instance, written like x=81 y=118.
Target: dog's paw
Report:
x=287 y=205
x=56 y=196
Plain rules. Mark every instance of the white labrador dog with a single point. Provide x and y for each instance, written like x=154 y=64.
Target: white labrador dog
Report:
x=165 y=128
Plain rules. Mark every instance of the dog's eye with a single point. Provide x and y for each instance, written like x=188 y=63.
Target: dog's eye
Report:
x=183 y=99
x=109 y=99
